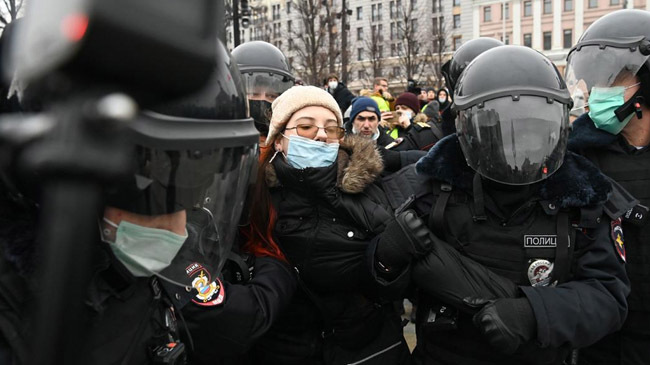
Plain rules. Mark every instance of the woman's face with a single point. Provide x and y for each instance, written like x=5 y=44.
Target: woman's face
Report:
x=442 y=96
x=431 y=95
x=314 y=116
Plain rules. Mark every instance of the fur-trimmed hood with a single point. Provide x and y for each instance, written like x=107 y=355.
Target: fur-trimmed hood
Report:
x=577 y=183
x=357 y=166
x=584 y=134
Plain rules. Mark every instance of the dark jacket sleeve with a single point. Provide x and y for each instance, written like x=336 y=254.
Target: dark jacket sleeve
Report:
x=247 y=313
x=344 y=99
x=591 y=305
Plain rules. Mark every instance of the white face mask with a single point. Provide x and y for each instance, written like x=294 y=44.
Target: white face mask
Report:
x=333 y=84
x=442 y=99
x=144 y=251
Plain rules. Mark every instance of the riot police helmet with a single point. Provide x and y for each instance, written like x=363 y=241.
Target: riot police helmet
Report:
x=613 y=51
x=266 y=74
x=194 y=155
x=452 y=69
x=513 y=115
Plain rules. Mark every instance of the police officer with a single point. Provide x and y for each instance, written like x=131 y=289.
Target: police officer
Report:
x=610 y=66
x=156 y=293
x=266 y=74
x=534 y=270
x=452 y=69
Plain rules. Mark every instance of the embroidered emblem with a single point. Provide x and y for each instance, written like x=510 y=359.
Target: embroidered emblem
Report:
x=617 y=238
x=209 y=292
x=539 y=272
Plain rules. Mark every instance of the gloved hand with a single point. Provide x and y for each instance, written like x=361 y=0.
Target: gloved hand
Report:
x=405 y=238
x=506 y=323
x=451 y=277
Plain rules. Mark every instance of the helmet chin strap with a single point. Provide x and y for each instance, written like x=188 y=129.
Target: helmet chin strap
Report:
x=631 y=106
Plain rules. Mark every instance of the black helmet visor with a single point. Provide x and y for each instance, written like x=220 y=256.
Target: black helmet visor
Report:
x=265 y=86
x=514 y=143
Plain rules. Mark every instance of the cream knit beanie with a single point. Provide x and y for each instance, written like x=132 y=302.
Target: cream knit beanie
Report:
x=294 y=99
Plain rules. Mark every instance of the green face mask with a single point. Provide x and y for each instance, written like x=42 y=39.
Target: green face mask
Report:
x=143 y=250
x=603 y=102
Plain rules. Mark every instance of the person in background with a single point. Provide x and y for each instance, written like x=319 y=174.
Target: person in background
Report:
x=339 y=91
x=381 y=95
x=266 y=73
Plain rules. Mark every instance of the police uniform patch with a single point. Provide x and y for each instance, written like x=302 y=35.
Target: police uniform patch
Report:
x=617 y=238
x=210 y=292
x=539 y=272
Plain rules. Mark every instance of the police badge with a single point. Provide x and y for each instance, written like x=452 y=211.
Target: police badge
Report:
x=539 y=272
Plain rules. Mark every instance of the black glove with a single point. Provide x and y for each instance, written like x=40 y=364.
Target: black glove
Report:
x=505 y=323
x=405 y=238
x=392 y=159
x=451 y=277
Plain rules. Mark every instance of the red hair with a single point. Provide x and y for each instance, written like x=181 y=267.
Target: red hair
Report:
x=259 y=233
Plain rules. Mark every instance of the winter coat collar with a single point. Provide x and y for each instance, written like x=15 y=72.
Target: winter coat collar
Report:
x=584 y=134
x=357 y=166
x=576 y=183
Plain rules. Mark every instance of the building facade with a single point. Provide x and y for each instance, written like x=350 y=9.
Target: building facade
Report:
x=549 y=26
x=400 y=38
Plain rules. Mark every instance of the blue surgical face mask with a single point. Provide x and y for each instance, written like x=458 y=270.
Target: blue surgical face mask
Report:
x=305 y=152
x=603 y=102
x=143 y=250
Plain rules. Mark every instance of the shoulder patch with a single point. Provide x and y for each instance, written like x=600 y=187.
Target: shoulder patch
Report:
x=617 y=238
x=210 y=292
x=423 y=125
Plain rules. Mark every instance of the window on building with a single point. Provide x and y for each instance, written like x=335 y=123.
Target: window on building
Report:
x=398 y=8
x=289 y=28
x=399 y=49
x=393 y=50
x=434 y=24
x=359 y=54
x=359 y=34
x=614 y=2
x=434 y=6
x=290 y=43
x=288 y=7
x=397 y=71
x=528 y=8
x=547 y=40
x=380 y=51
x=593 y=4
x=548 y=6
x=507 y=40
x=487 y=13
x=456 y=21
x=414 y=27
x=528 y=40
x=359 y=12
x=568 y=5
x=505 y=11
x=393 y=34
x=391 y=9
x=380 y=32
x=567 y=41
x=456 y=42
x=378 y=12
x=456 y=2
x=400 y=30
x=361 y=74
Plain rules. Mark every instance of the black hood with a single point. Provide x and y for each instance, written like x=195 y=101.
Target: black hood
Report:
x=577 y=183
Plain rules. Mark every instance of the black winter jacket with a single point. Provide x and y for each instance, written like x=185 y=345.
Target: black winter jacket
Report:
x=576 y=312
x=343 y=96
x=630 y=167
x=326 y=220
